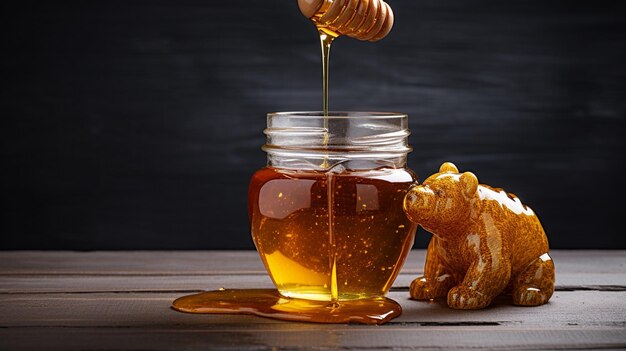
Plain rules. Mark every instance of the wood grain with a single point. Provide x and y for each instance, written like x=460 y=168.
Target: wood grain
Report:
x=79 y=272
x=591 y=309
x=77 y=301
x=423 y=338
x=15 y=284
x=244 y=262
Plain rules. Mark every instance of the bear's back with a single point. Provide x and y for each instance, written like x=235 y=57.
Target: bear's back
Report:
x=504 y=199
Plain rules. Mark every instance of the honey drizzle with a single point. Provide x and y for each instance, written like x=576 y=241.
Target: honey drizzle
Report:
x=326 y=39
x=334 y=291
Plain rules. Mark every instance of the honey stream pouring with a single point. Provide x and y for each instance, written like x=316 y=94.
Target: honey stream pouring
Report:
x=368 y=20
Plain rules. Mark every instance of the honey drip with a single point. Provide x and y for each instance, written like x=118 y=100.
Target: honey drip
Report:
x=326 y=40
x=332 y=245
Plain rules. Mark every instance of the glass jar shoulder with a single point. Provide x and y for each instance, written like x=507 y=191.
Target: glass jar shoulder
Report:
x=267 y=174
x=385 y=174
x=391 y=175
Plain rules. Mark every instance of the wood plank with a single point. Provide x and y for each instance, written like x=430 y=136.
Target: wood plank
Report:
x=130 y=262
x=40 y=272
x=13 y=284
x=89 y=284
x=227 y=262
x=307 y=337
x=593 y=309
x=580 y=320
x=74 y=302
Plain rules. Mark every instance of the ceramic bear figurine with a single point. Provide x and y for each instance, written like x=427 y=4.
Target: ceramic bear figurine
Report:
x=485 y=242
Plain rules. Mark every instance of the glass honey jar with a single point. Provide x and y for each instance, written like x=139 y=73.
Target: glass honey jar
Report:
x=326 y=213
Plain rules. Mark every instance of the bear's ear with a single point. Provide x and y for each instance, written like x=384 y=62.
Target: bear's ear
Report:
x=448 y=167
x=469 y=183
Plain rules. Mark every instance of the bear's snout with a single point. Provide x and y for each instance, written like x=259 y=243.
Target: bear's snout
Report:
x=417 y=203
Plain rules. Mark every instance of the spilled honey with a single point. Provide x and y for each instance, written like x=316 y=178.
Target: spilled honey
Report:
x=269 y=303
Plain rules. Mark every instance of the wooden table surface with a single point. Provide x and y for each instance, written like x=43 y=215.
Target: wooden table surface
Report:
x=121 y=300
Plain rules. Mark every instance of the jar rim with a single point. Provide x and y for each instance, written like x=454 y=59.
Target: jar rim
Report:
x=332 y=115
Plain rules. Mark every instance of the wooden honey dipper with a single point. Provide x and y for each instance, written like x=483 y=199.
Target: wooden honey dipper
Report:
x=360 y=19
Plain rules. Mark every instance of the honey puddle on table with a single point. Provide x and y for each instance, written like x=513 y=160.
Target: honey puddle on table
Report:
x=269 y=303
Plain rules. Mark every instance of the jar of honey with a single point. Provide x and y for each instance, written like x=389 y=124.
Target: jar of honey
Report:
x=326 y=213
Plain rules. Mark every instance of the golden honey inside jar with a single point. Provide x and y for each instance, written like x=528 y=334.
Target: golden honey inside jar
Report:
x=326 y=213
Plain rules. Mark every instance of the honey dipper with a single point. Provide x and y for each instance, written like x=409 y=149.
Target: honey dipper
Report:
x=360 y=19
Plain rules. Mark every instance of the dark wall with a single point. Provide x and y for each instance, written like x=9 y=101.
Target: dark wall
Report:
x=137 y=124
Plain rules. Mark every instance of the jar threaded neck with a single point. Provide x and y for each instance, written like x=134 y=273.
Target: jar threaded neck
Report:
x=297 y=138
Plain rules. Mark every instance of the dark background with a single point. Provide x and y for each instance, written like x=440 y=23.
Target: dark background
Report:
x=137 y=124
